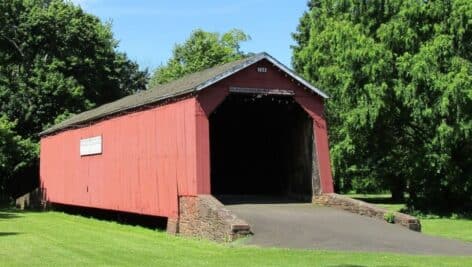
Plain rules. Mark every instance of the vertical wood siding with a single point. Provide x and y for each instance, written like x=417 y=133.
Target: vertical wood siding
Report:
x=148 y=159
x=151 y=157
x=274 y=78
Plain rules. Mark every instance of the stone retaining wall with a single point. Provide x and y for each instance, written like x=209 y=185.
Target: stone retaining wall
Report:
x=35 y=200
x=366 y=209
x=203 y=216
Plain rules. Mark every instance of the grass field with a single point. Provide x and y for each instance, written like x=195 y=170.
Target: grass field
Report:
x=58 y=239
x=449 y=227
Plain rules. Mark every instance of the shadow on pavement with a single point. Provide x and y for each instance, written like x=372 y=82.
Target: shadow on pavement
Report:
x=257 y=199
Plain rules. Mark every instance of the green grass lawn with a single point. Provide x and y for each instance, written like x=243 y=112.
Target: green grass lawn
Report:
x=455 y=228
x=58 y=239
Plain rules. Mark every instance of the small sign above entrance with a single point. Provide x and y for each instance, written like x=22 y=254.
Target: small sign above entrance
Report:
x=263 y=91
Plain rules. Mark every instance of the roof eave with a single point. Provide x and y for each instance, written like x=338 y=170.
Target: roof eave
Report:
x=250 y=61
x=91 y=119
x=295 y=76
x=226 y=74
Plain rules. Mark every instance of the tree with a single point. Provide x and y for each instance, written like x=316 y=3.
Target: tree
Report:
x=56 y=60
x=200 y=51
x=400 y=76
x=15 y=153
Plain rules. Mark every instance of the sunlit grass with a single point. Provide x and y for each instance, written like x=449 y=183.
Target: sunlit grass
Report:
x=58 y=239
x=449 y=227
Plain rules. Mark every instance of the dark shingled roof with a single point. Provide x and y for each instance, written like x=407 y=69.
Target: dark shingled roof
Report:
x=187 y=84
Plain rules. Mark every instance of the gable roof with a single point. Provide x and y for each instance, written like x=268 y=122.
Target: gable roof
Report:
x=188 y=84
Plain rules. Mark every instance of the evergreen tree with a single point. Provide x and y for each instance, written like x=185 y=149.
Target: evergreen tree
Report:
x=400 y=78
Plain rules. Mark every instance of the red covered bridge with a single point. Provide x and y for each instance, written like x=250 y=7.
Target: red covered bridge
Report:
x=249 y=127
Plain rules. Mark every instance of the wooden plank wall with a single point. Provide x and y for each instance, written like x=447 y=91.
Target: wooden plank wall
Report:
x=274 y=78
x=148 y=159
x=151 y=157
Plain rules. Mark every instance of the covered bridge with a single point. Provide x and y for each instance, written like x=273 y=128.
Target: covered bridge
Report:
x=249 y=127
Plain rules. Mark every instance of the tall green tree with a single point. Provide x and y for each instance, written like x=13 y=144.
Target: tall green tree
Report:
x=13 y=151
x=56 y=60
x=200 y=51
x=400 y=78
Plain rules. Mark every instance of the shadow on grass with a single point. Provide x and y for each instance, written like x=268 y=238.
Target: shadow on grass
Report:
x=8 y=233
x=10 y=212
x=421 y=214
x=8 y=215
x=146 y=221
x=379 y=200
x=440 y=215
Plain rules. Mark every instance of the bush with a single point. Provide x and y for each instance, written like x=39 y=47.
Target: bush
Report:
x=389 y=217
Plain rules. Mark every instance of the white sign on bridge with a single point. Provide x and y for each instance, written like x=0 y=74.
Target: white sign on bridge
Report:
x=91 y=146
x=262 y=91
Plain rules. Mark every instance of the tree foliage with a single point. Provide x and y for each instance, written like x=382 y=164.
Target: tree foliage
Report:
x=56 y=60
x=400 y=78
x=13 y=150
x=200 y=51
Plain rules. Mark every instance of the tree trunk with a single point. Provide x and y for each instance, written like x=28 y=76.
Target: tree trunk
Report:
x=397 y=189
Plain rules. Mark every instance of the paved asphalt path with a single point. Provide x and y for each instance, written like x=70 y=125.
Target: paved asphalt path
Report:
x=303 y=225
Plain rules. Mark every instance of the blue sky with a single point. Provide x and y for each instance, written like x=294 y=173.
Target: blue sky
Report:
x=148 y=30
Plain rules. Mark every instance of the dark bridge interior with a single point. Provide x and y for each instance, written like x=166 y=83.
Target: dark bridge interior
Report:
x=261 y=145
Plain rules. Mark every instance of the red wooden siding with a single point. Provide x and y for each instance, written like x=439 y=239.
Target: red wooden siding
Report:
x=274 y=78
x=147 y=157
x=151 y=157
x=208 y=100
